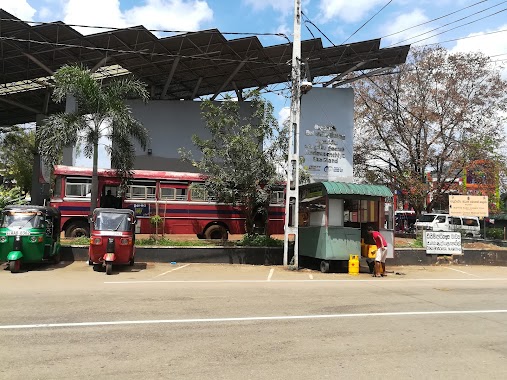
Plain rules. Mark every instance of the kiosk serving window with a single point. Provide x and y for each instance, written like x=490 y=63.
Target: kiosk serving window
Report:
x=313 y=213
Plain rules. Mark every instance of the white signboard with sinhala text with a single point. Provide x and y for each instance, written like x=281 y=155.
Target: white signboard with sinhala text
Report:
x=473 y=205
x=326 y=133
x=443 y=243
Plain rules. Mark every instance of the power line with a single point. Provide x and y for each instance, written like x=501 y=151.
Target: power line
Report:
x=459 y=26
x=371 y=18
x=467 y=37
x=435 y=19
x=141 y=52
x=316 y=27
x=111 y=28
x=448 y=30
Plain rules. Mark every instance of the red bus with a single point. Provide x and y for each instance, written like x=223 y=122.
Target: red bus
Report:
x=178 y=198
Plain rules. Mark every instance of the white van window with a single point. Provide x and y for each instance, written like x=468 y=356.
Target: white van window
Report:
x=456 y=221
x=470 y=222
x=441 y=219
x=427 y=218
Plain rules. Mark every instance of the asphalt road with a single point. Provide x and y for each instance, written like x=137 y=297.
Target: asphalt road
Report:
x=196 y=321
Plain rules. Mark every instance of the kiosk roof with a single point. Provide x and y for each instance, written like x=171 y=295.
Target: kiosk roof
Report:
x=342 y=188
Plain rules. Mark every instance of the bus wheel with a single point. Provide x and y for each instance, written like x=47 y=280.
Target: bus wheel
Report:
x=216 y=232
x=78 y=229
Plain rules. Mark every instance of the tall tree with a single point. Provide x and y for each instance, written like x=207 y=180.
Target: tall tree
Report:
x=429 y=119
x=17 y=151
x=241 y=156
x=101 y=112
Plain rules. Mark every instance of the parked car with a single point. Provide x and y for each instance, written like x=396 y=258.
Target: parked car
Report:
x=468 y=225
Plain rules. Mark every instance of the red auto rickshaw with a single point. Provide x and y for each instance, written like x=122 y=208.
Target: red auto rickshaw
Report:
x=112 y=238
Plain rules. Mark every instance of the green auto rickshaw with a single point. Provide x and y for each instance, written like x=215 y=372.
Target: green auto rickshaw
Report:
x=29 y=234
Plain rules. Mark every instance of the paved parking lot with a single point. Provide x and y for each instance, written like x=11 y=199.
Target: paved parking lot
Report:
x=197 y=321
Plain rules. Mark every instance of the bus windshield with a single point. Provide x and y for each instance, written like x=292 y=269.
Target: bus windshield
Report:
x=110 y=221
x=21 y=220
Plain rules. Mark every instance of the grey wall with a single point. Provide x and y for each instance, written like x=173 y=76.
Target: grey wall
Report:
x=171 y=125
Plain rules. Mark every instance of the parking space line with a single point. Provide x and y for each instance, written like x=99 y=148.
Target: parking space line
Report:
x=271 y=271
x=378 y=280
x=172 y=270
x=248 y=319
x=460 y=271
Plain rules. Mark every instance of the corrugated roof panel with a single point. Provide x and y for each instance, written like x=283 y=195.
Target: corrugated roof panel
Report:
x=206 y=57
x=342 y=188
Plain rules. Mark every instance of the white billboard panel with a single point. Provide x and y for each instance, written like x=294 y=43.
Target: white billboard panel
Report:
x=326 y=133
x=443 y=243
x=476 y=205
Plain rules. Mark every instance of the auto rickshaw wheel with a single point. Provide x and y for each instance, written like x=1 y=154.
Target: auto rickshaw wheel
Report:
x=57 y=258
x=90 y=262
x=14 y=266
x=131 y=262
x=109 y=268
x=97 y=267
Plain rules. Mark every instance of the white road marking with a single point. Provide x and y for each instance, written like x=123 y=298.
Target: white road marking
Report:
x=460 y=271
x=378 y=280
x=311 y=276
x=271 y=271
x=248 y=319
x=172 y=270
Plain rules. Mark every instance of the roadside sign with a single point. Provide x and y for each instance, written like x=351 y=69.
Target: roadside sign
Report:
x=471 y=205
x=443 y=243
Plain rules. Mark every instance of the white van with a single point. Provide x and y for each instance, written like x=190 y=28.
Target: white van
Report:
x=468 y=225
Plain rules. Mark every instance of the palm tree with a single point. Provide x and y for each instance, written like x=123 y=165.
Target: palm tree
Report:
x=101 y=111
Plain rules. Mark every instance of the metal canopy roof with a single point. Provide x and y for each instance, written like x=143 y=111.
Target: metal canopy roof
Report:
x=343 y=190
x=182 y=66
x=335 y=189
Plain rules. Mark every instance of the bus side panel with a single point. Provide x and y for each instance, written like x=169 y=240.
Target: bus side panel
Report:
x=71 y=210
x=187 y=218
x=276 y=220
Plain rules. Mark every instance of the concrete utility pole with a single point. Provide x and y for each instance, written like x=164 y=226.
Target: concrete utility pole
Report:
x=292 y=193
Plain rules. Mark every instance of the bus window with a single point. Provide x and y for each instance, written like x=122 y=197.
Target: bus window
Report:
x=167 y=193
x=181 y=194
x=198 y=193
x=173 y=194
x=141 y=190
x=57 y=189
x=276 y=198
x=78 y=187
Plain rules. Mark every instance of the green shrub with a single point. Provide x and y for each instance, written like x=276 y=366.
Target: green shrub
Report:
x=171 y=243
x=82 y=240
x=155 y=220
x=259 y=241
x=494 y=233
x=418 y=242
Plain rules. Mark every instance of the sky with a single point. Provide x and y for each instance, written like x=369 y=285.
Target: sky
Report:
x=458 y=25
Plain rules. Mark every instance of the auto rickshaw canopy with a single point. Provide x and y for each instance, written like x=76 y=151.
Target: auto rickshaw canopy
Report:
x=111 y=219
x=43 y=210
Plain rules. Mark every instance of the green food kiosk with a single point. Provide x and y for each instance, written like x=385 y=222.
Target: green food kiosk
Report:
x=334 y=218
